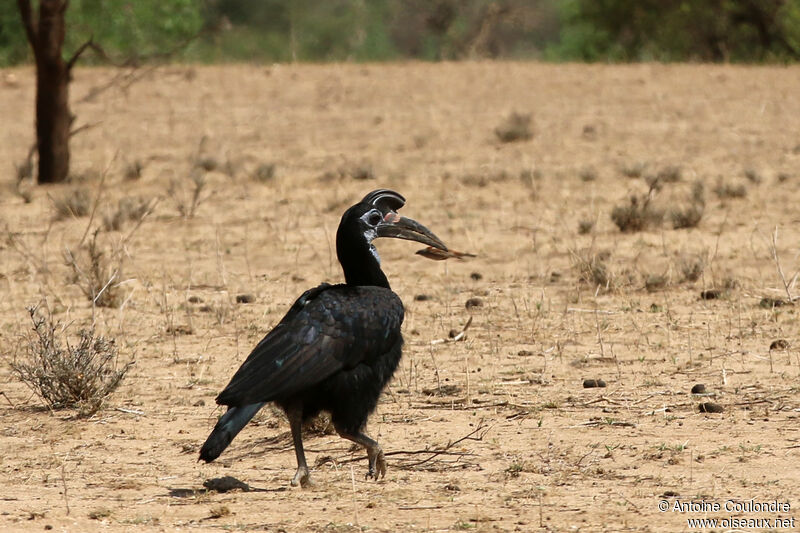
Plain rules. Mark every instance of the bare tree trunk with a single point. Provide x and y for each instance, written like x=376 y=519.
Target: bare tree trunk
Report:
x=53 y=118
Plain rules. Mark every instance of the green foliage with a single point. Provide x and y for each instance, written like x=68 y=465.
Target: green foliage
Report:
x=678 y=30
x=13 y=43
x=377 y=30
x=125 y=29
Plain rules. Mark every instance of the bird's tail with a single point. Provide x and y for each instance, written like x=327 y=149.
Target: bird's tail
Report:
x=228 y=426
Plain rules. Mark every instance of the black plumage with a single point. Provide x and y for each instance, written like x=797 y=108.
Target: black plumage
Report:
x=336 y=348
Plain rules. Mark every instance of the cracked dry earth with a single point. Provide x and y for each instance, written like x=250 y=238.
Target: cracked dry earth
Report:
x=492 y=432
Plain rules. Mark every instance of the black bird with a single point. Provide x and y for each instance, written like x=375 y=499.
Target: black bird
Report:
x=336 y=348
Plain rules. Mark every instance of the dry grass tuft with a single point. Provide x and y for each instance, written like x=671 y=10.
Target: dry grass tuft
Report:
x=691 y=267
x=264 y=173
x=187 y=194
x=689 y=216
x=753 y=176
x=78 y=377
x=669 y=174
x=96 y=273
x=515 y=127
x=656 y=282
x=133 y=171
x=727 y=190
x=592 y=268
x=637 y=215
x=587 y=174
x=633 y=170
x=129 y=209
x=585 y=226
x=77 y=203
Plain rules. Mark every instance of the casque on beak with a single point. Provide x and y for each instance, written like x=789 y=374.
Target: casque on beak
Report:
x=400 y=227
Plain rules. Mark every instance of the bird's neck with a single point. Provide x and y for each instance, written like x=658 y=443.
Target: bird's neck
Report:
x=361 y=265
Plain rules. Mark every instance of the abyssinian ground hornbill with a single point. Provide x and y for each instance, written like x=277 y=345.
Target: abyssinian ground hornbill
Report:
x=336 y=348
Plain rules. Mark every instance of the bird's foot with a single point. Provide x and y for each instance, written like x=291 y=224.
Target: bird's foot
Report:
x=377 y=464
x=301 y=478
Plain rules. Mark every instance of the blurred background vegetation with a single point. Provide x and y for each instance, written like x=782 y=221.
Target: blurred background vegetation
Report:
x=379 y=30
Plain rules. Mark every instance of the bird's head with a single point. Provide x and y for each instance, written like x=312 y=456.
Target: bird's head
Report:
x=377 y=217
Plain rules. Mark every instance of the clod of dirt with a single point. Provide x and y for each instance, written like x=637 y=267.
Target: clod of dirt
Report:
x=555 y=276
x=710 y=407
x=473 y=302
x=711 y=294
x=421 y=298
x=226 y=484
x=245 y=298
x=206 y=309
x=199 y=403
x=593 y=383
x=779 y=344
x=195 y=300
x=699 y=389
x=769 y=303
x=476 y=276
x=452 y=333
x=452 y=487
x=524 y=353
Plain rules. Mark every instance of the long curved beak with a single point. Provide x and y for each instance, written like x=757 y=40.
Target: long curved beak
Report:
x=400 y=227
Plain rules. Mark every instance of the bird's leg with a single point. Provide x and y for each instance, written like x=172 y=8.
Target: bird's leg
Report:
x=377 y=462
x=294 y=413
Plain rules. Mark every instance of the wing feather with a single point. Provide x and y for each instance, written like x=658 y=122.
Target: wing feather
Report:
x=328 y=329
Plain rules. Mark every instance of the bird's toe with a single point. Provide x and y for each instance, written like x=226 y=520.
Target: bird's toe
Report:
x=380 y=465
x=301 y=478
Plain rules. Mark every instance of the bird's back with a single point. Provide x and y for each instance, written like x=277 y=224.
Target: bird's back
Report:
x=330 y=331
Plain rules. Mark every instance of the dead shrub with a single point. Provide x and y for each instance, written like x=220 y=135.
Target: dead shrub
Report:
x=515 y=127
x=66 y=376
x=77 y=203
x=96 y=273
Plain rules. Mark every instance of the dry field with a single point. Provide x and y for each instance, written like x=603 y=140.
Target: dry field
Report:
x=495 y=432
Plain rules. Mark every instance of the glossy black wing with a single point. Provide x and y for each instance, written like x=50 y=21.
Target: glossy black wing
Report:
x=328 y=329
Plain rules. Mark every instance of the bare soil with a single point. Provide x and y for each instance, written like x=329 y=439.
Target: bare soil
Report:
x=284 y=150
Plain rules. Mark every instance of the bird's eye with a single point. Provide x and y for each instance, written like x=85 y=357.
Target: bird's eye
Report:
x=374 y=218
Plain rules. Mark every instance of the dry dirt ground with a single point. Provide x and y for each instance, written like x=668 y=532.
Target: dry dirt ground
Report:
x=491 y=433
